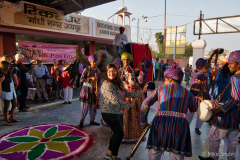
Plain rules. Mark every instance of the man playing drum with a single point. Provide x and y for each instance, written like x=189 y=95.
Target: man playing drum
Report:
x=226 y=122
x=199 y=88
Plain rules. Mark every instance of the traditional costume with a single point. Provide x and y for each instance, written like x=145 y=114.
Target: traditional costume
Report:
x=131 y=118
x=119 y=38
x=169 y=130
x=226 y=123
x=199 y=88
x=87 y=94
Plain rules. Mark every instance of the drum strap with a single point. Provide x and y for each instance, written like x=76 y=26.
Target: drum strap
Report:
x=221 y=95
x=171 y=113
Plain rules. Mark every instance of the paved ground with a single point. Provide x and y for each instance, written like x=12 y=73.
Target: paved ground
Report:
x=70 y=114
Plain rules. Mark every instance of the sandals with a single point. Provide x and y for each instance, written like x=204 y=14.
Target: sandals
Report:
x=65 y=102
x=69 y=102
x=8 y=123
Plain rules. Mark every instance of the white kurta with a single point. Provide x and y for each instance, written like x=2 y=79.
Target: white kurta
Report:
x=119 y=38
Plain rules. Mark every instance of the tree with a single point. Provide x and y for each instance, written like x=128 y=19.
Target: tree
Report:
x=188 y=51
x=159 y=40
x=144 y=36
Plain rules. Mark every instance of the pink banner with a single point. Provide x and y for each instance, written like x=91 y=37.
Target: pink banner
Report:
x=46 y=51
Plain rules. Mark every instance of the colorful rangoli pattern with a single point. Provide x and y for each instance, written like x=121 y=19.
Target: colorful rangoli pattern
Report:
x=47 y=141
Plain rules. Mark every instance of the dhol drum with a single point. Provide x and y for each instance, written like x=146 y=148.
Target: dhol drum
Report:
x=204 y=110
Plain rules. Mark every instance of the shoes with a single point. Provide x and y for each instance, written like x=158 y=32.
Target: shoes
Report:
x=118 y=158
x=205 y=158
x=45 y=100
x=60 y=97
x=94 y=123
x=81 y=124
x=69 y=102
x=108 y=156
x=26 y=107
x=65 y=102
x=198 y=131
x=23 y=110
x=56 y=98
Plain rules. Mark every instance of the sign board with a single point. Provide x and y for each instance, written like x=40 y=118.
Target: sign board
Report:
x=180 y=41
x=229 y=24
x=107 y=29
x=44 y=17
x=46 y=51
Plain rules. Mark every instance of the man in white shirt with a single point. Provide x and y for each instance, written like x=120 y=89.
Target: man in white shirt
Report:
x=39 y=71
x=120 y=40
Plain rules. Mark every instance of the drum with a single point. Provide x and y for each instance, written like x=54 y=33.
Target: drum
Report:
x=204 y=110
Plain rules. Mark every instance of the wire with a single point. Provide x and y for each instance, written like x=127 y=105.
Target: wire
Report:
x=171 y=15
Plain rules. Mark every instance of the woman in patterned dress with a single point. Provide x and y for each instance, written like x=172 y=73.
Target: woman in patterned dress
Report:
x=169 y=130
x=131 y=118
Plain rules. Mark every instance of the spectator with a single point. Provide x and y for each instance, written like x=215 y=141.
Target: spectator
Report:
x=40 y=72
x=157 y=69
x=79 y=70
x=162 y=69
x=169 y=64
x=222 y=80
x=2 y=78
x=8 y=92
x=24 y=79
x=56 y=72
x=187 y=75
x=68 y=79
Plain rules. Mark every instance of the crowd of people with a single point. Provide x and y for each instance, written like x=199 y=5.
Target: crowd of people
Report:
x=17 y=78
x=124 y=104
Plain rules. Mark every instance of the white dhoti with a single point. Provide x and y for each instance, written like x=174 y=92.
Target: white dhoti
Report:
x=190 y=117
x=230 y=137
x=158 y=155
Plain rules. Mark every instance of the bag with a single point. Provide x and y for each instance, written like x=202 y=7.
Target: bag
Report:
x=59 y=79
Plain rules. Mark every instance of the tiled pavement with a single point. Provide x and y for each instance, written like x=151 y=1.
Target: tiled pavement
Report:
x=70 y=114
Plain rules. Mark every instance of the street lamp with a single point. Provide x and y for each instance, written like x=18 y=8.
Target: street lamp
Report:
x=138 y=19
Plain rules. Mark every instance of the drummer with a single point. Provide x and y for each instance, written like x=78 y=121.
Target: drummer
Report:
x=198 y=81
x=226 y=122
x=169 y=130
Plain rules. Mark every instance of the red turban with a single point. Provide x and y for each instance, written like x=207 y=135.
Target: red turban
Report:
x=122 y=28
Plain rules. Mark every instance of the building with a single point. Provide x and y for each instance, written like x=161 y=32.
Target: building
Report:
x=29 y=22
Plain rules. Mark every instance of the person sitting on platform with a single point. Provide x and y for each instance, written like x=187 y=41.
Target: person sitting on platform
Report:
x=40 y=72
x=120 y=40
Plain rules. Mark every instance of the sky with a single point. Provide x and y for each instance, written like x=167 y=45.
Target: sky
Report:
x=179 y=12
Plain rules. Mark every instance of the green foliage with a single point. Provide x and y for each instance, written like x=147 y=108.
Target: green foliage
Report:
x=188 y=52
x=159 y=40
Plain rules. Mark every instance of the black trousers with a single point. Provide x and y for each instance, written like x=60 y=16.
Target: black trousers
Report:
x=23 y=96
x=114 y=121
x=78 y=83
